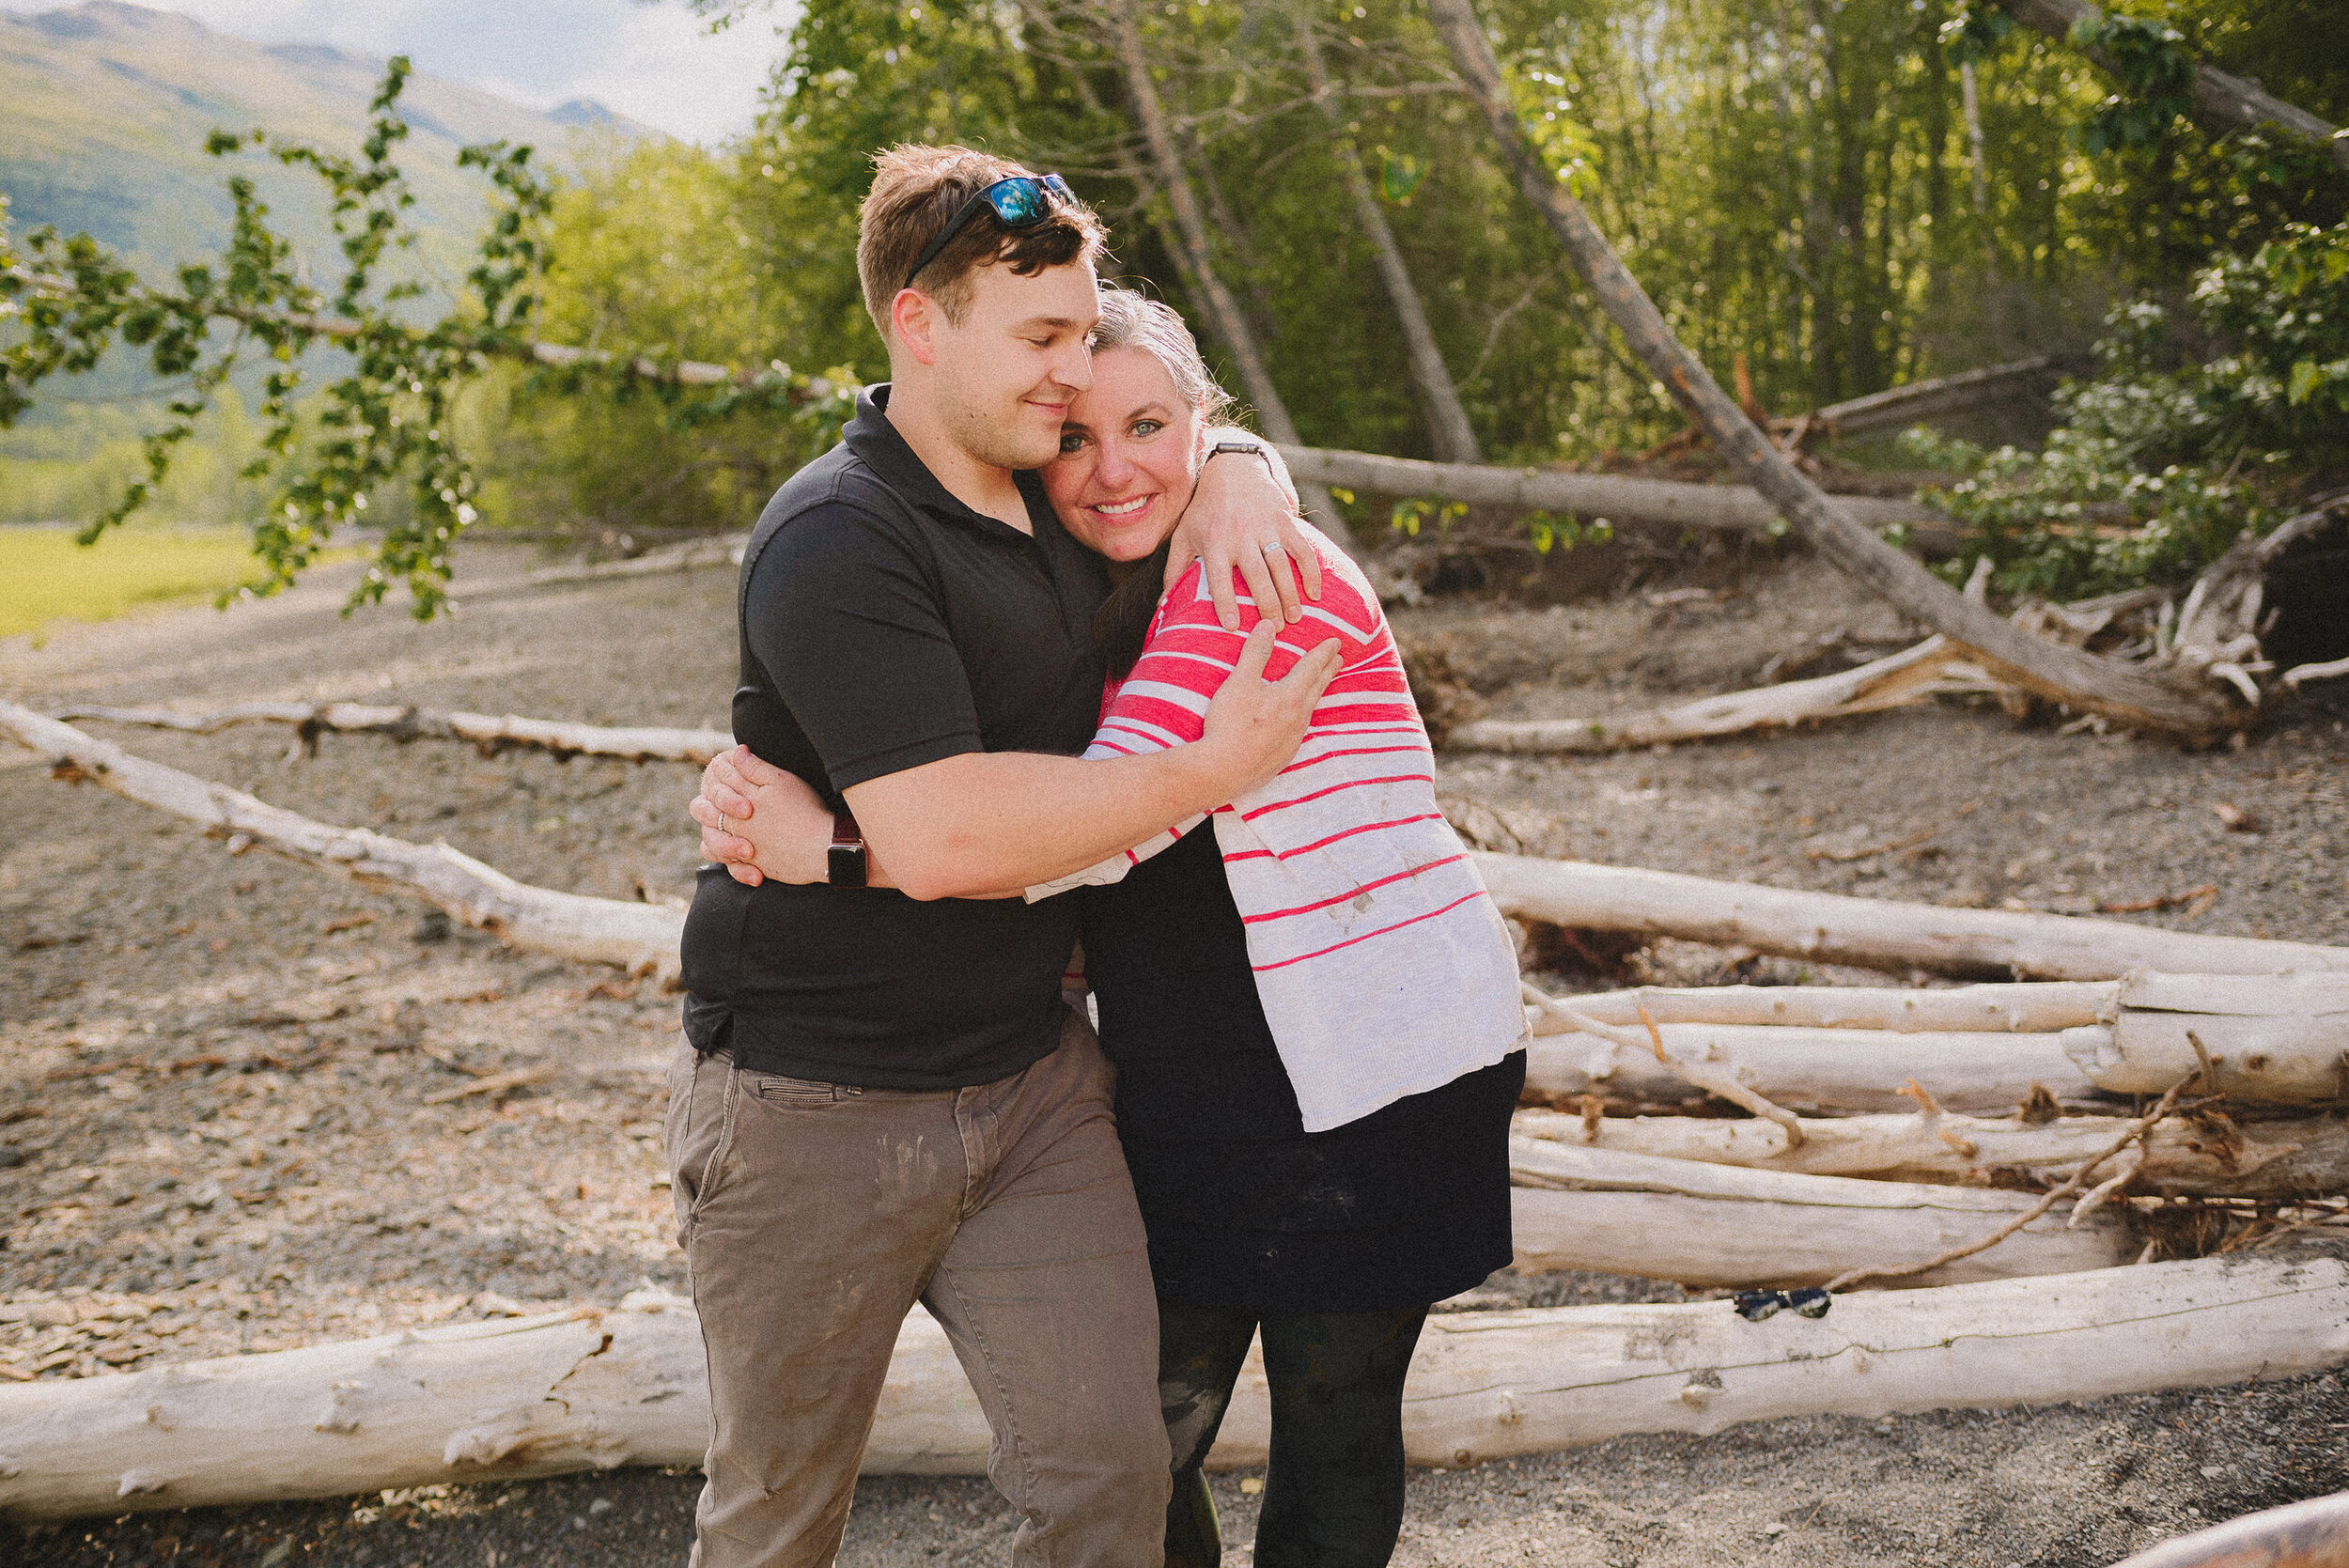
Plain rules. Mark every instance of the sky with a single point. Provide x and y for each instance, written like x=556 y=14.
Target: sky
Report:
x=657 y=63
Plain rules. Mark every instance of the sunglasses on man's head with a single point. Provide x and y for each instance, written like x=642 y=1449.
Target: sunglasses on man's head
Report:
x=1021 y=201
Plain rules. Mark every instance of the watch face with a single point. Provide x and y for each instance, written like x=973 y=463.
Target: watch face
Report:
x=846 y=866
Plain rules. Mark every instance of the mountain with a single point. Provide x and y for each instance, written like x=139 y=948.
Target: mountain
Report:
x=104 y=109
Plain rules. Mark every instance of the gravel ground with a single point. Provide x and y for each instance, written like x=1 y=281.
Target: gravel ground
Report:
x=243 y=1108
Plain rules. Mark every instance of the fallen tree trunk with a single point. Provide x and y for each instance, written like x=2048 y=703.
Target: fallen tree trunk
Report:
x=1512 y=1383
x=693 y=555
x=1837 y=929
x=574 y=1391
x=1829 y=1070
x=2189 y=1157
x=1933 y=667
x=2197 y=710
x=1575 y=1207
x=2283 y=1038
x=1616 y=497
x=2222 y=103
x=491 y=735
x=1904 y=406
x=2311 y=1534
x=2038 y=1007
x=640 y=938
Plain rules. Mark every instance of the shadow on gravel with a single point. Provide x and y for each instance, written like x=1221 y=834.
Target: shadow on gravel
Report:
x=624 y=1519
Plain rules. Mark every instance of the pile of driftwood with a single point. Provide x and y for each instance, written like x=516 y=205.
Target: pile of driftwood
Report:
x=2082 y=1172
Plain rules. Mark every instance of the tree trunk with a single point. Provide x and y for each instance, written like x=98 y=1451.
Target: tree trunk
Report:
x=1190 y=232
x=640 y=938
x=2041 y=1008
x=1708 y=1226
x=591 y=1390
x=2311 y=1534
x=1932 y=668
x=1873 y=933
x=491 y=735
x=544 y=1395
x=694 y=554
x=2221 y=103
x=1617 y=498
x=2059 y=673
x=2281 y=1039
x=1447 y=421
x=1822 y=1070
x=2015 y=382
x=1536 y=1382
x=2183 y=1157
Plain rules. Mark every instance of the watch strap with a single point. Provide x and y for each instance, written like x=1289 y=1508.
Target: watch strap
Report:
x=846 y=863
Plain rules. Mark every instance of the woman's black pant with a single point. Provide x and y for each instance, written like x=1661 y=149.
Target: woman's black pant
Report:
x=1334 y=1491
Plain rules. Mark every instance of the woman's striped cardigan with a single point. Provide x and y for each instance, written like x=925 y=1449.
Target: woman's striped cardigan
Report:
x=1382 y=965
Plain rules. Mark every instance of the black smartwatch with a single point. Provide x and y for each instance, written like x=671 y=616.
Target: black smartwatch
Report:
x=845 y=863
x=1254 y=449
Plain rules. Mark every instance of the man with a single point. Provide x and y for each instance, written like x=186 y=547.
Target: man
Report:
x=883 y=1098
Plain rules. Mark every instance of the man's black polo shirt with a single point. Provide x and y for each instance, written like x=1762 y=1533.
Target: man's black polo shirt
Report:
x=885 y=624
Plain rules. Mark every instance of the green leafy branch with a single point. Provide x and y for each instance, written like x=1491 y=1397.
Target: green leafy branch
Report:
x=2156 y=73
x=65 y=302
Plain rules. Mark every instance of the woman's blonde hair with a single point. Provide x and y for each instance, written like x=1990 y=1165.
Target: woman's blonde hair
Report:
x=1130 y=320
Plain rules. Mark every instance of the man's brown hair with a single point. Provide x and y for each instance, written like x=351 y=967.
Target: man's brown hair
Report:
x=916 y=191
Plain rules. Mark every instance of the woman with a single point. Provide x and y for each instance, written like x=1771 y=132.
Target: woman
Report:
x=1312 y=1007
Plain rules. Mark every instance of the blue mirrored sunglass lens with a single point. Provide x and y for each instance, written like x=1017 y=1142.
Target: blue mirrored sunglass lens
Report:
x=1019 y=202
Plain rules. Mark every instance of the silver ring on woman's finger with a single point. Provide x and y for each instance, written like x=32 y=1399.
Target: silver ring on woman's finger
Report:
x=1276 y=547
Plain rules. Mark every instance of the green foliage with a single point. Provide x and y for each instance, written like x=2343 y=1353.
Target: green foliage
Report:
x=389 y=422
x=2156 y=71
x=657 y=248
x=381 y=420
x=2161 y=464
x=1793 y=186
x=1975 y=32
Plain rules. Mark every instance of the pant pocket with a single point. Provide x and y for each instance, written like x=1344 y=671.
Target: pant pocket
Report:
x=776 y=1089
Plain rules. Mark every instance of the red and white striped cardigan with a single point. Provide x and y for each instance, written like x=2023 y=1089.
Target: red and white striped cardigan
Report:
x=1382 y=965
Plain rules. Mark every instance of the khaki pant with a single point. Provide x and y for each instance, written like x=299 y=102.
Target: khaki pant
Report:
x=814 y=1215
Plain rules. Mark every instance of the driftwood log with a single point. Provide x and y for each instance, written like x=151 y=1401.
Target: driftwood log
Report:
x=1934 y=667
x=2037 y=1007
x=2309 y=1534
x=693 y=556
x=2191 y=1157
x=2018 y=380
x=1577 y=1207
x=1873 y=933
x=489 y=733
x=589 y=1390
x=2281 y=1038
x=1826 y=928
x=1618 y=498
x=1818 y=1070
x=642 y=937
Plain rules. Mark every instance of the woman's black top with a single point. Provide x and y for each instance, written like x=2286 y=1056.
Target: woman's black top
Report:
x=1244 y=1207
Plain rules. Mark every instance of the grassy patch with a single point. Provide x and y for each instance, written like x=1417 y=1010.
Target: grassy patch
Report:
x=46 y=576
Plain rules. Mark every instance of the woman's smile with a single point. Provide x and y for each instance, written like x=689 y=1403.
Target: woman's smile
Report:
x=1127 y=511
